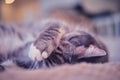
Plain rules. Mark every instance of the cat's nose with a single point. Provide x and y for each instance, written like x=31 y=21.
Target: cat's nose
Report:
x=34 y=53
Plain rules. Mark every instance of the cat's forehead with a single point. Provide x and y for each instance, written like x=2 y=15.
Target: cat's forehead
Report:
x=73 y=34
x=79 y=38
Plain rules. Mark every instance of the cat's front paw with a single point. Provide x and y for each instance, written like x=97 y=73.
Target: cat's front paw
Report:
x=36 y=54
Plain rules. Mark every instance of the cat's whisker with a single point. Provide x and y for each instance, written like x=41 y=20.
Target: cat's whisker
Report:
x=34 y=65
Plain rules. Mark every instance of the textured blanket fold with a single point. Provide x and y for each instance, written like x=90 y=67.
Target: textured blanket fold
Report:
x=83 y=71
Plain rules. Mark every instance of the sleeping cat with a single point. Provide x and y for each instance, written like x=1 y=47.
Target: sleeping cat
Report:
x=57 y=44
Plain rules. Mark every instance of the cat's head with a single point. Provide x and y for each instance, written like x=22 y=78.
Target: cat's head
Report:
x=82 y=45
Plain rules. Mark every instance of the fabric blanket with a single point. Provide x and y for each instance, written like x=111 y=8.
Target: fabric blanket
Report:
x=82 y=71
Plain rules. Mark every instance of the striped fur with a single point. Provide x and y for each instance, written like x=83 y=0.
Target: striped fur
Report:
x=50 y=39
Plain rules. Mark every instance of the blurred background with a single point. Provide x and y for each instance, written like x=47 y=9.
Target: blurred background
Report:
x=101 y=17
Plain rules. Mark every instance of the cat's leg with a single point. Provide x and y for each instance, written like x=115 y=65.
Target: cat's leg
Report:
x=47 y=41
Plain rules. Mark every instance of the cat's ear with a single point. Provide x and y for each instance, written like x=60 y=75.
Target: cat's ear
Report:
x=92 y=51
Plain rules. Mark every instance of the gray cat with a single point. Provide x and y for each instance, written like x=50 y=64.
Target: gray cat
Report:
x=58 y=44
